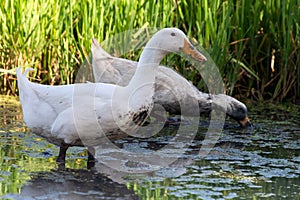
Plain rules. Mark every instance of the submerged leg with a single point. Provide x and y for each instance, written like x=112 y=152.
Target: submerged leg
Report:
x=62 y=153
x=91 y=158
x=91 y=154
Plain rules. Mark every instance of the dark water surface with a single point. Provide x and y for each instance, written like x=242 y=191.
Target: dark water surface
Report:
x=258 y=163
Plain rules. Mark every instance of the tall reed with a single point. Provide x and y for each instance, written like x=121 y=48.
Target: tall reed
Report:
x=255 y=44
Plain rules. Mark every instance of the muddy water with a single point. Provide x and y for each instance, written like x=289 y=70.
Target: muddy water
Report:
x=258 y=163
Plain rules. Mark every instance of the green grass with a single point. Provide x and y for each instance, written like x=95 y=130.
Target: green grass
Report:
x=242 y=37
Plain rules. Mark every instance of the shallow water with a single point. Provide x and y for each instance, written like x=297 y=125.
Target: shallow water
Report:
x=258 y=163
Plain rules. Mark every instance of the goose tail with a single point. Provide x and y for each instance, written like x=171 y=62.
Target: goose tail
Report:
x=26 y=92
x=21 y=76
x=102 y=64
x=98 y=52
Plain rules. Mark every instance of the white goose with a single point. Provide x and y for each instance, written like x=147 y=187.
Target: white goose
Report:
x=171 y=89
x=82 y=114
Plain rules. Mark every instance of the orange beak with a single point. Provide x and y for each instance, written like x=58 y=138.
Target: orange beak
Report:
x=245 y=122
x=190 y=50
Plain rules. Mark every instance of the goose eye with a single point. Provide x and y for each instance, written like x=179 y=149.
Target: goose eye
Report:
x=173 y=34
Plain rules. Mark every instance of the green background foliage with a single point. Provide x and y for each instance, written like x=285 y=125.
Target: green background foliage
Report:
x=255 y=44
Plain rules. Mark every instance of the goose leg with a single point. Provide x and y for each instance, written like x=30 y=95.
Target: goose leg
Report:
x=62 y=153
x=91 y=154
x=166 y=120
x=91 y=158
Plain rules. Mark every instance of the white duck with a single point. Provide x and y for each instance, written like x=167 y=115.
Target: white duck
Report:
x=171 y=89
x=83 y=114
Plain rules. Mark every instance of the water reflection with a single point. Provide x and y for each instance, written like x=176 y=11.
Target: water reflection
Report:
x=258 y=163
x=73 y=184
x=11 y=115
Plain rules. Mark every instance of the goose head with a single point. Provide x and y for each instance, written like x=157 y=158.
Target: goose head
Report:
x=170 y=40
x=238 y=111
x=233 y=108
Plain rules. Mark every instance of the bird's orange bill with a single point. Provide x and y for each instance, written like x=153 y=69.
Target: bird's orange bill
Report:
x=190 y=50
x=245 y=122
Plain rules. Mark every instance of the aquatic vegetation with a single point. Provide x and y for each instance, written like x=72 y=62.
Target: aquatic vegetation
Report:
x=262 y=162
x=254 y=44
x=21 y=153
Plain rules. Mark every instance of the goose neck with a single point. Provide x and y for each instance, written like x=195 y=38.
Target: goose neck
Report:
x=147 y=67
